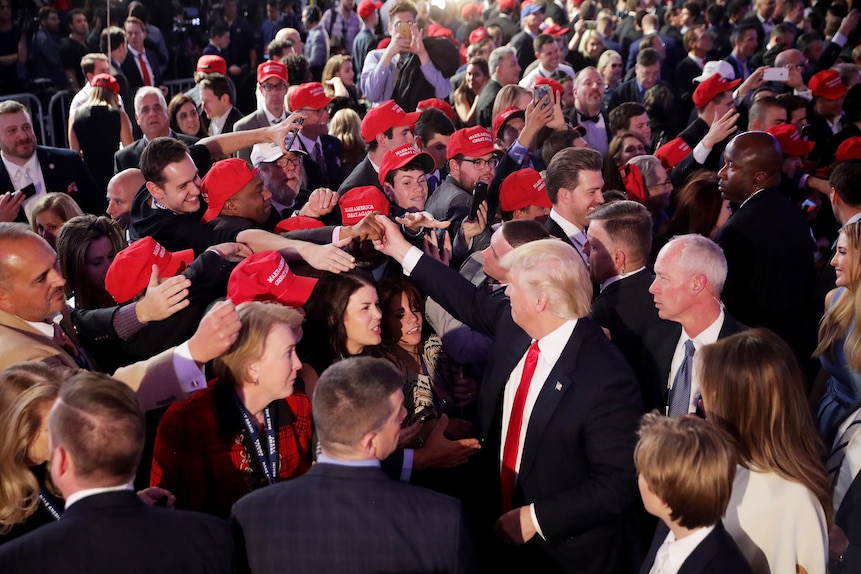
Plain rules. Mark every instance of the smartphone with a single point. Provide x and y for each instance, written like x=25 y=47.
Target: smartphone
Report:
x=28 y=190
x=291 y=135
x=776 y=75
x=479 y=194
x=540 y=91
x=591 y=24
x=404 y=29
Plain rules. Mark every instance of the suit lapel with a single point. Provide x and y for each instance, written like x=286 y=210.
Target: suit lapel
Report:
x=560 y=380
x=664 y=356
x=493 y=385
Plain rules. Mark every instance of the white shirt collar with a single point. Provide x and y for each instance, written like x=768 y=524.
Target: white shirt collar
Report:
x=308 y=144
x=570 y=229
x=552 y=344
x=370 y=462
x=619 y=277
x=271 y=118
x=81 y=494
x=218 y=123
x=708 y=336
x=853 y=219
x=677 y=551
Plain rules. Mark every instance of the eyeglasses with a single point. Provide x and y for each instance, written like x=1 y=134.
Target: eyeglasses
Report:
x=667 y=183
x=271 y=87
x=483 y=163
x=293 y=160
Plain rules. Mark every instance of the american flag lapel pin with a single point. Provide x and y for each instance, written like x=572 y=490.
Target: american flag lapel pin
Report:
x=558 y=386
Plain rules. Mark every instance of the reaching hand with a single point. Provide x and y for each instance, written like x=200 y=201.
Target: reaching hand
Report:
x=431 y=247
x=328 y=257
x=232 y=251
x=439 y=452
x=721 y=128
x=321 y=202
x=216 y=333
x=416 y=220
x=392 y=243
x=162 y=300
x=367 y=229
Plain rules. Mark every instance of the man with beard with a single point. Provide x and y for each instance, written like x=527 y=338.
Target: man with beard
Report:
x=48 y=169
x=588 y=100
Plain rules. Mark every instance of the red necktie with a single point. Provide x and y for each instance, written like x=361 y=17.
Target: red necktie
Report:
x=144 y=70
x=515 y=422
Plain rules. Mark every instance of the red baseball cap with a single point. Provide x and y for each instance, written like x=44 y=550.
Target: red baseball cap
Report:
x=710 y=88
x=367 y=7
x=298 y=222
x=555 y=29
x=672 y=153
x=473 y=142
x=827 y=84
x=523 y=188
x=271 y=69
x=849 y=149
x=223 y=181
x=438 y=31
x=508 y=5
x=478 y=35
x=130 y=270
x=554 y=84
x=106 y=81
x=265 y=276
x=790 y=140
x=402 y=155
x=502 y=119
x=360 y=201
x=385 y=116
x=211 y=64
x=384 y=43
x=437 y=103
x=310 y=95
x=469 y=9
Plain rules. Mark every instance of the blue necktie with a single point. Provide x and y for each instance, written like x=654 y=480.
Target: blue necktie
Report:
x=680 y=396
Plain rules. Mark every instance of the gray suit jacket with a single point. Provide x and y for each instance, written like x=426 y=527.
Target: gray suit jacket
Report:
x=250 y=122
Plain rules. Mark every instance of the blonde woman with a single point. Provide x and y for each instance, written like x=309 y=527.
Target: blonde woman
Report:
x=781 y=507
x=839 y=348
x=50 y=213
x=98 y=127
x=339 y=81
x=346 y=125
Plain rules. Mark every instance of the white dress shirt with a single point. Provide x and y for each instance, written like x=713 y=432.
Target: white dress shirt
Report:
x=21 y=177
x=673 y=553
x=707 y=337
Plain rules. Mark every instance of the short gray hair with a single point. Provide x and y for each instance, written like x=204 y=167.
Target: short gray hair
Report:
x=497 y=55
x=145 y=91
x=701 y=256
x=648 y=165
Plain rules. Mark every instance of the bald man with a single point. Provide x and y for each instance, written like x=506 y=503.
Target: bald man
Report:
x=121 y=190
x=767 y=242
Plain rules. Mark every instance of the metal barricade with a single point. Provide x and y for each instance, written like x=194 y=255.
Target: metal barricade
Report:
x=35 y=107
x=175 y=87
x=58 y=109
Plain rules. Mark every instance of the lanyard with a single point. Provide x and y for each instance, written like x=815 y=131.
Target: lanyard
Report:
x=270 y=467
x=50 y=506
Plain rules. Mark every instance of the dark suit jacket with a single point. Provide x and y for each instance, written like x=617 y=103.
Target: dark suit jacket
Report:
x=130 y=156
x=346 y=519
x=522 y=42
x=114 y=532
x=333 y=151
x=250 y=122
x=716 y=554
x=683 y=82
x=130 y=69
x=627 y=92
x=485 y=103
x=627 y=310
x=659 y=345
x=576 y=465
x=769 y=255
x=234 y=116
x=63 y=171
x=362 y=174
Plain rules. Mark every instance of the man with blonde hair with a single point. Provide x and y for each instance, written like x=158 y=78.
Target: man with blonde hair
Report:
x=556 y=412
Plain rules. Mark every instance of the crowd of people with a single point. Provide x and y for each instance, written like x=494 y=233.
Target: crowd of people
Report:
x=433 y=287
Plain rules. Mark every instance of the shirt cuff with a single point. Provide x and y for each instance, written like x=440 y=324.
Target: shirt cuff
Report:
x=336 y=234
x=701 y=153
x=535 y=520
x=126 y=322
x=840 y=39
x=411 y=259
x=407 y=469
x=190 y=376
x=518 y=152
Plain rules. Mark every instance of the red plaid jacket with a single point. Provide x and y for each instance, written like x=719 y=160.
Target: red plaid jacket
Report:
x=203 y=456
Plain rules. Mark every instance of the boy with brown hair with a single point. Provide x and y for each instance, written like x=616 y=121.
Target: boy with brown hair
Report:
x=686 y=469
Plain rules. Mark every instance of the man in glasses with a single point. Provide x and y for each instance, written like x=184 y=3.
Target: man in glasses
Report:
x=472 y=157
x=272 y=86
x=323 y=162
